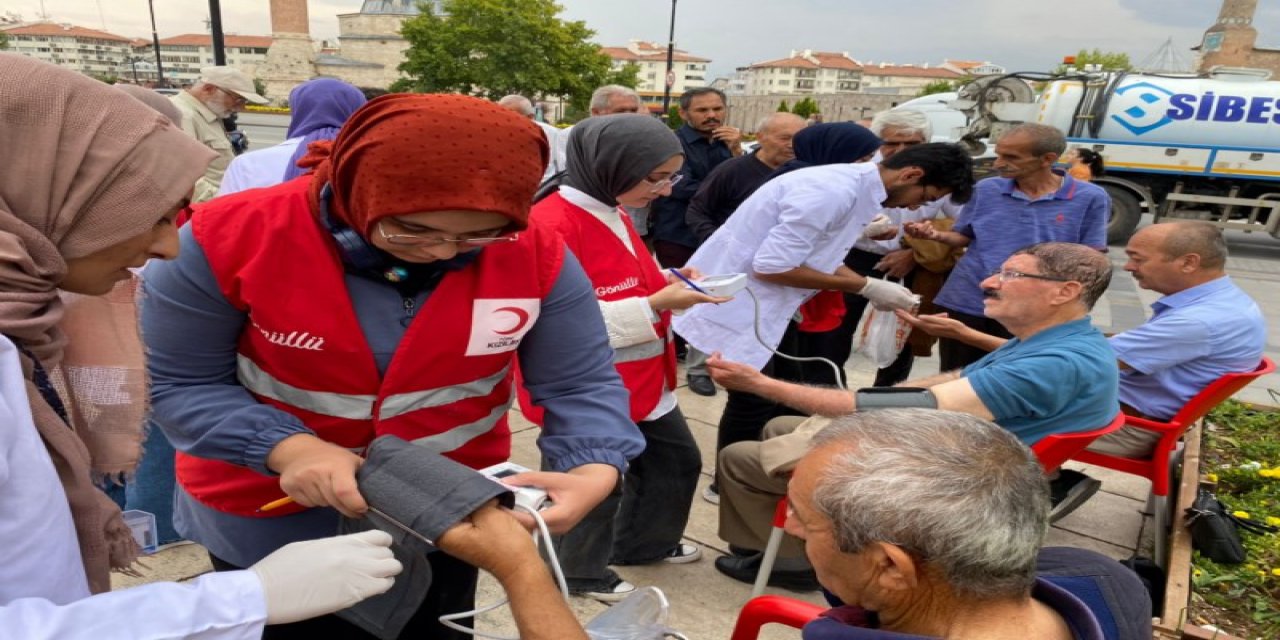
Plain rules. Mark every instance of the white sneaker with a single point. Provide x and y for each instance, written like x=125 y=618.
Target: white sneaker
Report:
x=620 y=589
x=711 y=495
x=683 y=554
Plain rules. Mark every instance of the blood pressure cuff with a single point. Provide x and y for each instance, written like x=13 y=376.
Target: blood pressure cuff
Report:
x=430 y=494
x=871 y=398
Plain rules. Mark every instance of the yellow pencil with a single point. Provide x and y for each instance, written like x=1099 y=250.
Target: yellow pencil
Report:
x=275 y=504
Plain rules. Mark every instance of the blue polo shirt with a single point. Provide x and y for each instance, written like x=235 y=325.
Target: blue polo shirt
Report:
x=1193 y=338
x=1059 y=380
x=1001 y=220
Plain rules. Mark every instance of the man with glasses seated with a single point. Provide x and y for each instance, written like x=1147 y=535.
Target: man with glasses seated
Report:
x=1056 y=375
x=1028 y=202
x=219 y=93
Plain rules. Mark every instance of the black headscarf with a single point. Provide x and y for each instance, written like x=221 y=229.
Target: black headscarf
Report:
x=829 y=143
x=608 y=155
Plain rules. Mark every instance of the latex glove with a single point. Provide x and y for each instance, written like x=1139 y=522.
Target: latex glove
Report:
x=886 y=296
x=880 y=228
x=315 y=577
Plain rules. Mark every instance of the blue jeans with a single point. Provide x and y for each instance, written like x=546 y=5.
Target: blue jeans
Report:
x=151 y=488
x=643 y=520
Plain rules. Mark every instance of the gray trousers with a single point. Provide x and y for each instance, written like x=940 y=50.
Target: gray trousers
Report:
x=695 y=362
x=749 y=496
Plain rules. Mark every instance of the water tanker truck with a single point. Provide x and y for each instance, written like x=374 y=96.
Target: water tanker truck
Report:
x=1176 y=146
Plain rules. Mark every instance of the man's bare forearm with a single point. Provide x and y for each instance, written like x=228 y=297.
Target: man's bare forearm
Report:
x=541 y=613
x=823 y=401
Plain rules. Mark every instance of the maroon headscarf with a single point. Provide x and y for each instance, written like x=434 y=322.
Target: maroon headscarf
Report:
x=413 y=153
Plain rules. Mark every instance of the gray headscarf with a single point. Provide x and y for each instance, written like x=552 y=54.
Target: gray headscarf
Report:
x=608 y=155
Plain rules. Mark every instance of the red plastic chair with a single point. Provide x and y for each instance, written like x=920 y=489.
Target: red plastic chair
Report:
x=1051 y=451
x=772 y=609
x=1158 y=466
x=1056 y=449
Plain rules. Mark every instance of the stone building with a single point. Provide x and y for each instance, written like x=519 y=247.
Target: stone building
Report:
x=370 y=47
x=746 y=112
x=292 y=56
x=1230 y=41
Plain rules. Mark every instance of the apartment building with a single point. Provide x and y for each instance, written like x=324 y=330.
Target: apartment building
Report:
x=184 y=55
x=801 y=72
x=689 y=71
x=904 y=79
x=88 y=51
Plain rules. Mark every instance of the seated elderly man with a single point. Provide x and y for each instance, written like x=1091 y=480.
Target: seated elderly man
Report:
x=1204 y=326
x=1057 y=375
x=929 y=524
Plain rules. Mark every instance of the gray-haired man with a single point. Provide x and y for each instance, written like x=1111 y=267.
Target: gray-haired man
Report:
x=1057 y=375
x=926 y=524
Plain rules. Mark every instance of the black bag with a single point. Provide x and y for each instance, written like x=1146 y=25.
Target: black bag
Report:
x=1215 y=532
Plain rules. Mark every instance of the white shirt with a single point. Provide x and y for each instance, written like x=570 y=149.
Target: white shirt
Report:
x=555 y=163
x=811 y=218
x=43 y=589
x=629 y=321
x=261 y=168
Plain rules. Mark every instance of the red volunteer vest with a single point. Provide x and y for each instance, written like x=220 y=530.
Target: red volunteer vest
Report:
x=615 y=274
x=302 y=350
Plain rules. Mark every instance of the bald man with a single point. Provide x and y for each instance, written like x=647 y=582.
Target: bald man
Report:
x=524 y=107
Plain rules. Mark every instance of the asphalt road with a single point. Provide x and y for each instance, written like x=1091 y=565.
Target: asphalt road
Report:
x=263 y=129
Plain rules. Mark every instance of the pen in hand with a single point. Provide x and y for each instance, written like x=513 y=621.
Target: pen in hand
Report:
x=675 y=272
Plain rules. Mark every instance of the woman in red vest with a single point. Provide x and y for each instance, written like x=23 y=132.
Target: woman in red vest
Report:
x=388 y=292
x=629 y=160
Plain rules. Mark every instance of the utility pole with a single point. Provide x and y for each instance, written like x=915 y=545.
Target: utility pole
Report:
x=155 y=44
x=215 y=24
x=671 y=74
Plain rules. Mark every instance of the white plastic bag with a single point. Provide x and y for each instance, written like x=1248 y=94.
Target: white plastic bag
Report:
x=883 y=336
x=640 y=616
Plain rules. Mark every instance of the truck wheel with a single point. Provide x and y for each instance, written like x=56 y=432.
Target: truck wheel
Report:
x=1126 y=212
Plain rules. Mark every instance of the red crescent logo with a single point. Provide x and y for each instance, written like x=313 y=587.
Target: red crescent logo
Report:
x=522 y=317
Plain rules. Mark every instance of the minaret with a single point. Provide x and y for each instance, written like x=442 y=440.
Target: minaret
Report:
x=291 y=58
x=1229 y=42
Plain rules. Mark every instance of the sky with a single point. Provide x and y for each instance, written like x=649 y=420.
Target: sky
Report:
x=1027 y=35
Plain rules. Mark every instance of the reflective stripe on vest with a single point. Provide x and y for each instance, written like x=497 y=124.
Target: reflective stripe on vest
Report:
x=339 y=405
x=464 y=433
x=642 y=351
x=360 y=406
x=402 y=403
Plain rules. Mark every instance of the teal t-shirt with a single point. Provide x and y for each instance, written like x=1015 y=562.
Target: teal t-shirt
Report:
x=1059 y=380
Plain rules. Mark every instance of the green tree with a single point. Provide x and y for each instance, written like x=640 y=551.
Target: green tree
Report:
x=937 y=86
x=260 y=87
x=806 y=108
x=4 y=41
x=491 y=48
x=673 y=117
x=1108 y=61
x=783 y=108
